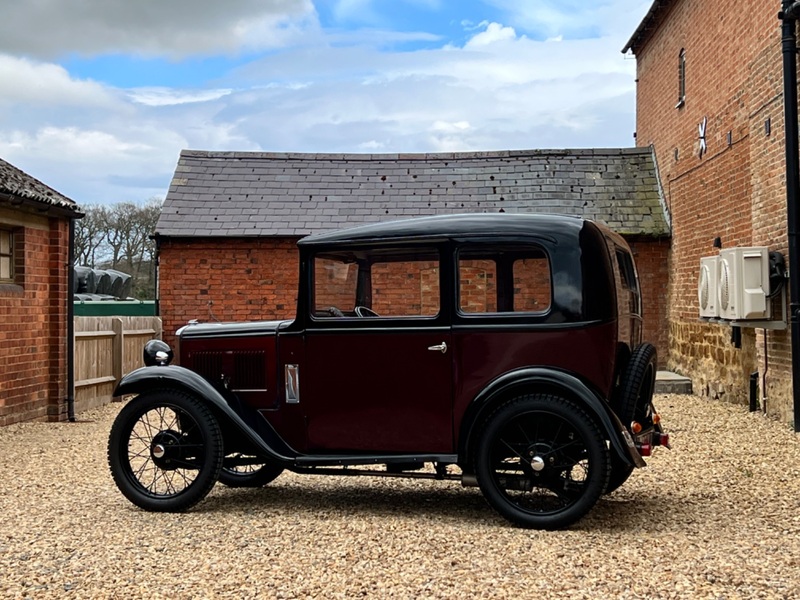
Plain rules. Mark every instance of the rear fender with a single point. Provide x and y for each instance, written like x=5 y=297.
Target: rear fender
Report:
x=543 y=380
x=179 y=378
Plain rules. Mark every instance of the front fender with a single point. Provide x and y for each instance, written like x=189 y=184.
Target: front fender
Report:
x=541 y=379
x=147 y=379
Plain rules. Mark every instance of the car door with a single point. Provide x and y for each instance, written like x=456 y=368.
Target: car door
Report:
x=378 y=363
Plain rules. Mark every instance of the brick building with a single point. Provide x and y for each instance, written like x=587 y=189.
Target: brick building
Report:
x=710 y=104
x=34 y=264
x=230 y=222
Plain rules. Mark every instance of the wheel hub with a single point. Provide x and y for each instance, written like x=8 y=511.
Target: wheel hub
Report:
x=164 y=448
x=537 y=463
x=540 y=456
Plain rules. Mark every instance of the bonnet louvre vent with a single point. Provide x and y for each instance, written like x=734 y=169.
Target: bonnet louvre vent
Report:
x=249 y=370
x=243 y=370
x=208 y=364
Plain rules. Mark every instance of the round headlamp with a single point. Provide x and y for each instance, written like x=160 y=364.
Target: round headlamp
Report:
x=157 y=352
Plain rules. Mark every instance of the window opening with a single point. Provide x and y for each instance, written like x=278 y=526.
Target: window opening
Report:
x=681 y=78
x=504 y=281
x=376 y=283
x=6 y=256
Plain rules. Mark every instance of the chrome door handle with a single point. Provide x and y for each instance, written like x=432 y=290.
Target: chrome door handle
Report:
x=440 y=347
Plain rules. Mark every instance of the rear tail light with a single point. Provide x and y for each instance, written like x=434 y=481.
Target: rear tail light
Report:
x=661 y=439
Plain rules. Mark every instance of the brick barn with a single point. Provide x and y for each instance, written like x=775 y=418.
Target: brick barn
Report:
x=227 y=233
x=34 y=265
x=710 y=105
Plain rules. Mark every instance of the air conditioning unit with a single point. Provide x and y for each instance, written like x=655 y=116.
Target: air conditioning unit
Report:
x=707 y=286
x=743 y=284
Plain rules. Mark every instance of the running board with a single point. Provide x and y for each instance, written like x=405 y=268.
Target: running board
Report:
x=361 y=459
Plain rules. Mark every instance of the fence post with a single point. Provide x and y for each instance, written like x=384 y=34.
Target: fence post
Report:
x=118 y=349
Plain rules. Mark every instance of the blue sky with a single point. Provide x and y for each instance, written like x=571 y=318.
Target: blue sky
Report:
x=100 y=102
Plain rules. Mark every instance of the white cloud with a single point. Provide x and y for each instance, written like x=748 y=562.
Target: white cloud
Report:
x=447 y=127
x=50 y=28
x=84 y=164
x=372 y=146
x=494 y=32
x=154 y=96
x=26 y=81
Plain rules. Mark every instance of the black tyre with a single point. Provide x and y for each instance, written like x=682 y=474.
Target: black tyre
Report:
x=248 y=476
x=638 y=382
x=165 y=451
x=541 y=461
x=634 y=403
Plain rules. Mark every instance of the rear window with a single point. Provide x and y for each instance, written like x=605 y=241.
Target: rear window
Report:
x=504 y=280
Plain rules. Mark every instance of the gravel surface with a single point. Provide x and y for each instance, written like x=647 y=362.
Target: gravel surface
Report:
x=717 y=517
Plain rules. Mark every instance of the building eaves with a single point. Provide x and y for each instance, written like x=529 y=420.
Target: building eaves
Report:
x=20 y=187
x=647 y=25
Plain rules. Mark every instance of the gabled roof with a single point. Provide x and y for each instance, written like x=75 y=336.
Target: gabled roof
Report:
x=648 y=24
x=235 y=194
x=18 y=185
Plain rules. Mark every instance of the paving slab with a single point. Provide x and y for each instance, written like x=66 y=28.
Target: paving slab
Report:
x=668 y=382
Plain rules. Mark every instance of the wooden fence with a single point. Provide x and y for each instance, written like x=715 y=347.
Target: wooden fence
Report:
x=106 y=348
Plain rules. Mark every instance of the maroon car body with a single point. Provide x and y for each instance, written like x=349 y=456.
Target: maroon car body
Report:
x=426 y=341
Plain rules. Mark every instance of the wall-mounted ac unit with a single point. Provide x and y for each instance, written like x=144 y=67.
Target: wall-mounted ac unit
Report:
x=707 y=286
x=743 y=285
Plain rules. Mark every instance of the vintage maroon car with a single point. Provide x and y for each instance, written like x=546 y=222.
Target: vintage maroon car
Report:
x=502 y=351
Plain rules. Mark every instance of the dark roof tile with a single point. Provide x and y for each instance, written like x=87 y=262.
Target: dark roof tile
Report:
x=288 y=194
x=14 y=182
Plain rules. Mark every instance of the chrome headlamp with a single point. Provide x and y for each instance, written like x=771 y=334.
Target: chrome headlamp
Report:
x=157 y=352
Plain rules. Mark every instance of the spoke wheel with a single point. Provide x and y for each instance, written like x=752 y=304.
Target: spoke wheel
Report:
x=247 y=475
x=165 y=451
x=542 y=462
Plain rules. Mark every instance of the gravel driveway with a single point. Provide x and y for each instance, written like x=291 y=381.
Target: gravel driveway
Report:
x=717 y=517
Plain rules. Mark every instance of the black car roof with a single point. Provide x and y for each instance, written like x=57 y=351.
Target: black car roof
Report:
x=443 y=227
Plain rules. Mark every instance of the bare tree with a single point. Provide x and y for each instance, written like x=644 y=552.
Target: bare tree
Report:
x=90 y=236
x=118 y=236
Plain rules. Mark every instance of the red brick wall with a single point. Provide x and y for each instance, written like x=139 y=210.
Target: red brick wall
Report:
x=406 y=288
x=33 y=331
x=736 y=191
x=652 y=264
x=226 y=279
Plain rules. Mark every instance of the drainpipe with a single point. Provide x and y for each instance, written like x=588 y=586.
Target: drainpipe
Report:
x=155 y=265
x=789 y=15
x=71 y=325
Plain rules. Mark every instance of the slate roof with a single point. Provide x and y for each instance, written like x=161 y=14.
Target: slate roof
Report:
x=253 y=194
x=19 y=184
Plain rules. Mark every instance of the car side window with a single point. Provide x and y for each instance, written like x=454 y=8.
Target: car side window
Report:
x=630 y=284
x=504 y=280
x=376 y=283
x=405 y=288
x=335 y=282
